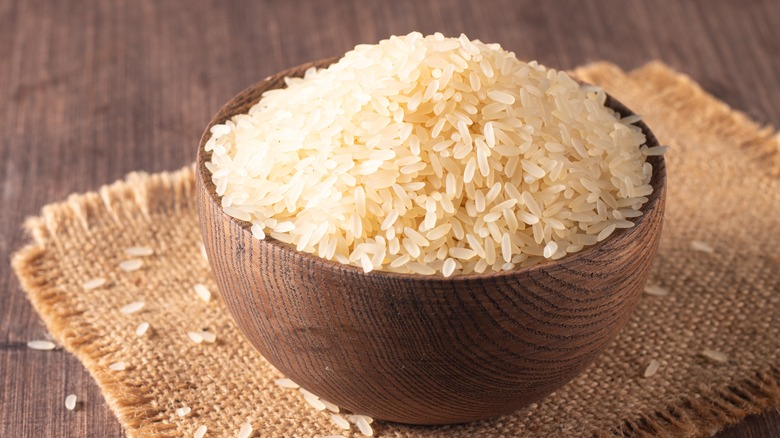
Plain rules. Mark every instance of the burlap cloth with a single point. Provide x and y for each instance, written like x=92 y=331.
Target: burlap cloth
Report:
x=723 y=190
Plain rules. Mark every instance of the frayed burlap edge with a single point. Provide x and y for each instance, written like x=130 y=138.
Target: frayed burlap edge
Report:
x=708 y=413
x=138 y=197
x=141 y=195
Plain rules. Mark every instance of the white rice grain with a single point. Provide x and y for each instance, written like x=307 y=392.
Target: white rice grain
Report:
x=142 y=329
x=506 y=247
x=183 y=411
x=657 y=150
x=330 y=406
x=286 y=383
x=245 y=431
x=652 y=368
x=133 y=307
x=354 y=418
x=70 y=402
x=656 y=291
x=550 y=249
x=631 y=119
x=714 y=355
x=93 y=283
x=364 y=426
x=202 y=292
x=208 y=337
x=117 y=366
x=606 y=232
x=698 y=245
x=200 y=432
x=195 y=337
x=139 y=251
x=340 y=421
x=41 y=345
x=448 y=268
x=131 y=265
x=314 y=401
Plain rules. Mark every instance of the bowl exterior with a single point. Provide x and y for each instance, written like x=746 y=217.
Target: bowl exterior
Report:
x=417 y=349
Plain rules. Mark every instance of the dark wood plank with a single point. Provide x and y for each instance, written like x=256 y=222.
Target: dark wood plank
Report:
x=95 y=89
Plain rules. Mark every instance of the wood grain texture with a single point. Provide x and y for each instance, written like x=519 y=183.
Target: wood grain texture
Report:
x=424 y=349
x=95 y=89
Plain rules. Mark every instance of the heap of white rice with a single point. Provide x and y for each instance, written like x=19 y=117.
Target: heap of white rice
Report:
x=432 y=155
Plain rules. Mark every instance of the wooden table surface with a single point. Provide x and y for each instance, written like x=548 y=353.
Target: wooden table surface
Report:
x=91 y=90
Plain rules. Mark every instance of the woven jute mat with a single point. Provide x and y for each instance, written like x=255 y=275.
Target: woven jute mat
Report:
x=724 y=191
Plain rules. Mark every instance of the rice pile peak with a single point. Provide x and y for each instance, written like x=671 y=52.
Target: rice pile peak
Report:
x=432 y=155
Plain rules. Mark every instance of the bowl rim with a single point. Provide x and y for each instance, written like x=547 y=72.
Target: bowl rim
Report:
x=657 y=181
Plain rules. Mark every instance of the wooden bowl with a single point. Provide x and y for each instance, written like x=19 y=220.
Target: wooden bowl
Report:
x=424 y=349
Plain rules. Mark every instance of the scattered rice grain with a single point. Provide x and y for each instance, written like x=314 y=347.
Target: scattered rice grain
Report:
x=94 y=283
x=131 y=265
x=41 y=345
x=133 y=307
x=70 y=402
x=656 y=291
x=245 y=431
x=652 y=368
x=183 y=411
x=142 y=328
x=117 y=366
x=139 y=251
x=286 y=383
x=715 y=356
x=314 y=401
x=195 y=337
x=340 y=421
x=353 y=418
x=364 y=426
x=208 y=337
x=330 y=406
x=200 y=432
x=698 y=245
x=202 y=292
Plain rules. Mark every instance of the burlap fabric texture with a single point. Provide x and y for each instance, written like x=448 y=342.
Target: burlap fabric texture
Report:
x=723 y=190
